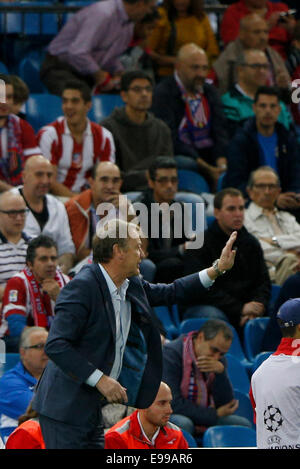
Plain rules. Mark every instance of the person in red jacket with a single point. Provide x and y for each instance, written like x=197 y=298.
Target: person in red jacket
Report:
x=280 y=28
x=28 y=434
x=148 y=428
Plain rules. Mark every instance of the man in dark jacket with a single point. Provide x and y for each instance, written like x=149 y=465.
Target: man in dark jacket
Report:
x=193 y=111
x=139 y=136
x=244 y=292
x=165 y=251
x=194 y=367
x=264 y=141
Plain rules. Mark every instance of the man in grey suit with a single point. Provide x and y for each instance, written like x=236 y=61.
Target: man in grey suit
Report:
x=104 y=343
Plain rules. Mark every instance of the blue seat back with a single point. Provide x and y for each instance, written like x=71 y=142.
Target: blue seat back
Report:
x=259 y=359
x=103 y=105
x=192 y=182
x=245 y=408
x=198 y=216
x=229 y=436
x=254 y=331
x=237 y=373
x=9 y=361
x=41 y=109
x=165 y=316
x=29 y=71
x=190 y=439
x=31 y=24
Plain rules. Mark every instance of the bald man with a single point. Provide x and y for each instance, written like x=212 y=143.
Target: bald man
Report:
x=252 y=72
x=13 y=241
x=105 y=184
x=192 y=109
x=253 y=34
x=148 y=428
x=47 y=215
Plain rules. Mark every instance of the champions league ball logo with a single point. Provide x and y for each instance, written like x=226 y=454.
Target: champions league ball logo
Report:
x=272 y=418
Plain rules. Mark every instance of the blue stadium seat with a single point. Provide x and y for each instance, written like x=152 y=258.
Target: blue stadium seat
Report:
x=41 y=109
x=11 y=359
x=103 y=105
x=229 y=436
x=259 y=359
x=29 y=71
x=190 y=439
x=245 y=408
x=165 y=316
x=132 y=195
x=3 y=68
x=275 y=289
x=191 y=181
x=236 y=349
x=253 y=335
x=198 y=214
x=237 y=373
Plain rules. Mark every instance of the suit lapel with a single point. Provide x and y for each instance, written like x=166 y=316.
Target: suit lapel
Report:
x=108 y=306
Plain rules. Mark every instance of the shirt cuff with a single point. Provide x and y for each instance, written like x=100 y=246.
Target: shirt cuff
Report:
x=205 y=279
x=94 y=378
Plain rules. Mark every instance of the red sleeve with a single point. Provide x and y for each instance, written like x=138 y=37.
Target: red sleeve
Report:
x=183 y=444
x=114 y=441
x=22 y=439
x=230 y=25
x=29 y=141
x=14 y=298
x=253 y=404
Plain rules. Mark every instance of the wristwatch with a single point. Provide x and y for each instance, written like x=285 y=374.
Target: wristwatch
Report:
x=275 y=242
x=216 y=267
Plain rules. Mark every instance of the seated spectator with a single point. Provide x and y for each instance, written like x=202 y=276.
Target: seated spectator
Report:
x=28 y=434
x=180 y=23
x=17 y=384
x=73 y=144
x=139 y=136
x=252 y=72
x=47 y=215
x=193 y=111
x=30 y=295
x=166 y=253
x=21 y=94
x=277 y=230
x=13 y=241
x=17 y=141
x=195 y=368
x=244 y=292
x=264 y=141
x=279 y=31
x=148 y=428
x=105 y=183
x=253 y=34
x=89 y=45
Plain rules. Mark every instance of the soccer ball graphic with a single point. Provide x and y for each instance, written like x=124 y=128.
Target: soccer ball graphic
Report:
x=272 y=418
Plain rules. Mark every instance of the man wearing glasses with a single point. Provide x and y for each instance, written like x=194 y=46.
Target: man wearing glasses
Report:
x=277 y=230
x=252 y=72
x=166 y=253
x=17 y=384
x=139 y=136
x=30 y=295
x=13 y=241
x=264 y=141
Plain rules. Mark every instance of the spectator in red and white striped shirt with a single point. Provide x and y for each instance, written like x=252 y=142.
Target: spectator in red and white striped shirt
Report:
x=74 y=144
x=17 y=139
